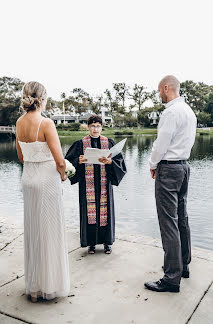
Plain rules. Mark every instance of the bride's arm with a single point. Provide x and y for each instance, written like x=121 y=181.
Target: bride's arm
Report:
x=18 y=148
x=19 y=152
x=53 y=142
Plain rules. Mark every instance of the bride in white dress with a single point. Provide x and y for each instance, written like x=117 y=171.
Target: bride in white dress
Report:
x=39 y=149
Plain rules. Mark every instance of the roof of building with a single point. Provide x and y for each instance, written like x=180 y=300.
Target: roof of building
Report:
x=62 y=117
x=85 y=116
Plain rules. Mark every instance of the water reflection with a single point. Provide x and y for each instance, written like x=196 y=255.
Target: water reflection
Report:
x=203 y=148
x=135 y=203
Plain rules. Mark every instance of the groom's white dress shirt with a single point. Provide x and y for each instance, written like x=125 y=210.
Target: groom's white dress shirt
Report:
x=176 y=133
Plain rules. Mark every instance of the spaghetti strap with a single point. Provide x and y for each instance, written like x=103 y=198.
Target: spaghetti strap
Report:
x=39 y=128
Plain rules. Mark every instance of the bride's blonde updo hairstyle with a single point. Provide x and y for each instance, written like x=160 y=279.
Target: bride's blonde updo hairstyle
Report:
x=33 y=93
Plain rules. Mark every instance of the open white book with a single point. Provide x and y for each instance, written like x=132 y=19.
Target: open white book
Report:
x=93 y=154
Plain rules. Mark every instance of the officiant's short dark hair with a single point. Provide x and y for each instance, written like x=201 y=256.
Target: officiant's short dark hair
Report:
x=94 y=119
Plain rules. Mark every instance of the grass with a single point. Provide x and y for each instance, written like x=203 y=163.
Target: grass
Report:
x=205 y=131
x=126 y=132
x=111 y=131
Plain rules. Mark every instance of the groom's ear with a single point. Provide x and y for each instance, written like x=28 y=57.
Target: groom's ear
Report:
x=166 y=88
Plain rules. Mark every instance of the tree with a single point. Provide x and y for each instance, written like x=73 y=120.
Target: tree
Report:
x=79 y=99
x=51 y=106
x=118 y=120
x=129 y=120
x=10 y=99
x=203 y=118
x=195 y=94
x=96 y=104
x=121 y=91
x=209 y=105
x=139 y=96
x=143 y=118
x=10 y=88
x=111 y=103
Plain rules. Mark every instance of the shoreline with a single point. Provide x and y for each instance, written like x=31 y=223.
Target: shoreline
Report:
x=126 y=132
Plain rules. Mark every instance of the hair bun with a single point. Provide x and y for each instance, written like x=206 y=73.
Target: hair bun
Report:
x=33 y=93
x=28 y=101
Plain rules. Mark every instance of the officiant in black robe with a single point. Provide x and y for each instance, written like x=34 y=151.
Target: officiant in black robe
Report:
x=96 y=232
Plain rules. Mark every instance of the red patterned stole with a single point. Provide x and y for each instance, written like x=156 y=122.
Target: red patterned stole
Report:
x=90 y=187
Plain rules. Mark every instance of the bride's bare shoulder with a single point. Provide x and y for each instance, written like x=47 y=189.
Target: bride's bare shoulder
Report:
x=48 y=122
x=20 y=119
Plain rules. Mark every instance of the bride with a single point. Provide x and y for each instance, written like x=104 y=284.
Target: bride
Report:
x=39 y=149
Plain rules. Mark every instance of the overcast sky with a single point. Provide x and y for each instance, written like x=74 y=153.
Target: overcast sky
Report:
x=92 y=43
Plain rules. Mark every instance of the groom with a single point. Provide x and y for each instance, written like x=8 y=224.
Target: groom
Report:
x=169 y=168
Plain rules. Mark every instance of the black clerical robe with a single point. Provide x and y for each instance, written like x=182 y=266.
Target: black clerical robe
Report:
x=92 y=234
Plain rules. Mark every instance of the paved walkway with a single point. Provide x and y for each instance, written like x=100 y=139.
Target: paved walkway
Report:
x=107 y=289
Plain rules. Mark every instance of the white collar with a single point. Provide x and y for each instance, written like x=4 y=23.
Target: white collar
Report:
x=94 y=136
x=181 y=99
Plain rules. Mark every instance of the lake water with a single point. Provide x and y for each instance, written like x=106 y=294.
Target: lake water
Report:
x=134 y=198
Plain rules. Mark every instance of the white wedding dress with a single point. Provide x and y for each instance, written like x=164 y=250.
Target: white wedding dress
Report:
x=45 y=250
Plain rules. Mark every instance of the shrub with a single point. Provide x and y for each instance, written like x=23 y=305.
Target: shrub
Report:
x=70 y=127
x=83 y=127
x=123 y=133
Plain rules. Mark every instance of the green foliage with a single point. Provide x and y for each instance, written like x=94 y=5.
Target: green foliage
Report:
x=125 y=132
x=198 y=95
x=10 y=96
x=121 y=91
x=129 y=120
x=143 y=118
x=69 y=127
x=139 y=96
x=119 y=120
x=96 y=104
x=195 y=94
x=209 y=105
x=111 y=102
x=204 y=118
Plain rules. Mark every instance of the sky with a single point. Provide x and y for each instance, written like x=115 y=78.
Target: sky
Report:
x=91 y=44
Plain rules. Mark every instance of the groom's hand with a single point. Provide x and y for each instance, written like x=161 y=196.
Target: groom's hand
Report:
x=153 y=173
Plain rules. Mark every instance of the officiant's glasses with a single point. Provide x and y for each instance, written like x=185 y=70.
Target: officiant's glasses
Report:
x=95 y=127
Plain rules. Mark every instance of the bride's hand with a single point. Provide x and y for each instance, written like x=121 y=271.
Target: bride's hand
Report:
x=64 y=177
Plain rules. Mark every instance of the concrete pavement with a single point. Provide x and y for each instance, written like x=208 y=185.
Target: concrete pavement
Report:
x=108 y=288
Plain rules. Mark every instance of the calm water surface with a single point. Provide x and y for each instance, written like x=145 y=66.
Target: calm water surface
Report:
x=134 y=198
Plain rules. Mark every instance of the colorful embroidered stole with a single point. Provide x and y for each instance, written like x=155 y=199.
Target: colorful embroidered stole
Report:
x=90 y=187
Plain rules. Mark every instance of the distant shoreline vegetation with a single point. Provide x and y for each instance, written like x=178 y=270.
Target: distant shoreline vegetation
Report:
x=125 y=132
x=129 y=107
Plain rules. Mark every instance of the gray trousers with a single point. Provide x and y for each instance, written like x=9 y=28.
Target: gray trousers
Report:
x=171 y=186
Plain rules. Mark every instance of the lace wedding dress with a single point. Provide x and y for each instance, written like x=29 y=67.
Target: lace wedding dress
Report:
x=45 y=251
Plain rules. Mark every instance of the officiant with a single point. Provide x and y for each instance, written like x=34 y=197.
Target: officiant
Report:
x=97 y=215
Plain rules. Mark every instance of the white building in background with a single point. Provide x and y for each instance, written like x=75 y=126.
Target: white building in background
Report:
x=154 y=116
x=135 y=112
x=72 y=117
x=63 y=119
x=106 y=117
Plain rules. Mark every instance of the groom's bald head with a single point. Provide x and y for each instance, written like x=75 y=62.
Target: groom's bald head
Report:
x=169 y=88
x=172 y=82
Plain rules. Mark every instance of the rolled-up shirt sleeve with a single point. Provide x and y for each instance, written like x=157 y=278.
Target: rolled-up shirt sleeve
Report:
x=166 y=130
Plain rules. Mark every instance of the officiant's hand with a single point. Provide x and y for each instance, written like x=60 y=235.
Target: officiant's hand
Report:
x=82 y=159
x=153 y=173
x=105 y=160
